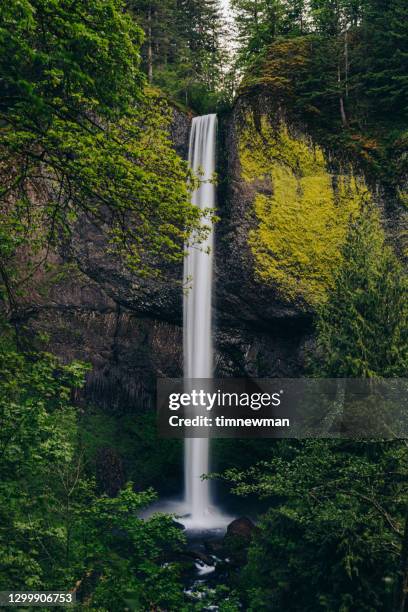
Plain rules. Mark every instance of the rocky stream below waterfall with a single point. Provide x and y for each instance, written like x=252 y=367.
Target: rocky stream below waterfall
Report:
x=213 y=557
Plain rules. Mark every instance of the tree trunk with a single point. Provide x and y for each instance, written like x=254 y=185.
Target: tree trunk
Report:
x=346 y=61
x=341 y=99
x=256 y=17
x=149 y=46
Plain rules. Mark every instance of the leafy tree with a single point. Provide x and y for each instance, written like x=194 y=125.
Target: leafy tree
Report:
x=55 y=531
x=80 y=136
x=334 y=17
x=127 y=554
x=259 y=22
x=201 y=25
x=332 y=537
x=157 y=20
x=37 y=453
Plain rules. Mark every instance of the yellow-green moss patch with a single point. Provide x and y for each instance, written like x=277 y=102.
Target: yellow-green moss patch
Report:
x=302 y=223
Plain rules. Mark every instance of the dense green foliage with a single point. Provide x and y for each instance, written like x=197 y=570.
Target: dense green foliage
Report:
x=81 y=137
x=56 y=532
x=332 y=537
x=369 y=64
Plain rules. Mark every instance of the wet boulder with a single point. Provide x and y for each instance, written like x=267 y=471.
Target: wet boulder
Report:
x=241 y=527
x=238 y=539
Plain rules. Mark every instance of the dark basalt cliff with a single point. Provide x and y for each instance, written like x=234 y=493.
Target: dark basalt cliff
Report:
x=129 y=329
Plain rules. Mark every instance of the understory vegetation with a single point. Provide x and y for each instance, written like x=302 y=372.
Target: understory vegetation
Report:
x=88 y=92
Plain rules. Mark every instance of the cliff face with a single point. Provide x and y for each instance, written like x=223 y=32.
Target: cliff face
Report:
x=283 y=205
x=88 y=306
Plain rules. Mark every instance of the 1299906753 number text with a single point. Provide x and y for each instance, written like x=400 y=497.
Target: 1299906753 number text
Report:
x=36 y=598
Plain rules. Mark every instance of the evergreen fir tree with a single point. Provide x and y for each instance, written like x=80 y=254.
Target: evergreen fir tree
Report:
x=384 y=55
x=363 y=327
x=183 y=52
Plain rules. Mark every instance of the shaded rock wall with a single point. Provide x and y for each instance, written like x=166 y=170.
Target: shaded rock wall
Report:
x=77 y=319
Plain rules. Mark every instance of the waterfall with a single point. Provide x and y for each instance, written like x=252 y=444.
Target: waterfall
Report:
x=197 y=511
x=198 y=277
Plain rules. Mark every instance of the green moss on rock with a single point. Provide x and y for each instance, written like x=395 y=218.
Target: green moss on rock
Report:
x=302 y=210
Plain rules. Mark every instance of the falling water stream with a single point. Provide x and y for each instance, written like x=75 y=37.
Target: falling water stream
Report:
x=198 y=276
x=198 y=332
x=198 y=511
